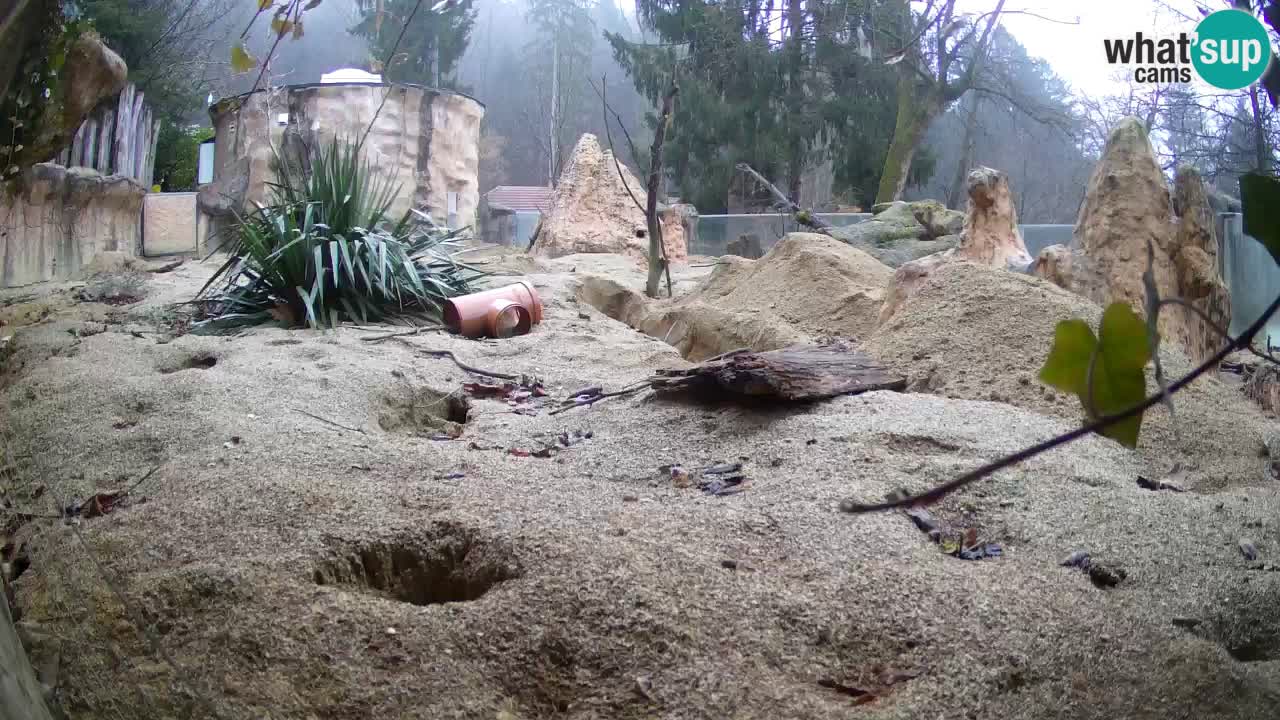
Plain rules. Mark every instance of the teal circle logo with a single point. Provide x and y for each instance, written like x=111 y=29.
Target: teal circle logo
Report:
x=1231 y=49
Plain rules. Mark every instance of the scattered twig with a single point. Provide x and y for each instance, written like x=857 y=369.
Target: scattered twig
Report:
x=581 y=400
x=326 y=421
x=417 y=331
x=140 y=480
x=473 y=370
x=941 y=491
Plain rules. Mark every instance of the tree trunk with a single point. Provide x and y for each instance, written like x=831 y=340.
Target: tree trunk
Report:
x=657 y=253
x=1261 y=153
x=917 y=108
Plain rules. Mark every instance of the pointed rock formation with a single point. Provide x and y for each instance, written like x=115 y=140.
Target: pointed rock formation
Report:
x=1127 y=205
x=593 y=212
x=990 y=237
x=1195 y=261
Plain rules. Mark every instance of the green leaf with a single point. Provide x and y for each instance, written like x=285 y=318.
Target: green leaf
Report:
x=1260 y=196
x=241 y=60
x=1113 y=381
x=1067 y=367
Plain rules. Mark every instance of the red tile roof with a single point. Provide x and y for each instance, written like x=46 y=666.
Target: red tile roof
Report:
x=521 y=198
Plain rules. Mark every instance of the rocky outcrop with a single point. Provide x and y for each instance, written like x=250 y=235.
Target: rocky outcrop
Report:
x=1195 y=261
x=679 y=225
x=426 y=141
x=990 y=237
x=91 y=73
x=904 y=231
x=746 y=246
x=937 y=220
x=62 y=218
x=593 y=212
x=1128 y=209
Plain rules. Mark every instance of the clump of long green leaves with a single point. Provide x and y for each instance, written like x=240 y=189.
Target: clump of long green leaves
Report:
x=325 y=251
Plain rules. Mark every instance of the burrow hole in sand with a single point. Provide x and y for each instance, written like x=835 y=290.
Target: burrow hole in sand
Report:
x=193 y=361
x=422 y=411
x=447 y=563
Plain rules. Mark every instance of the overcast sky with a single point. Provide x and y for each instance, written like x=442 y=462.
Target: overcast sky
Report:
x=1076 y=51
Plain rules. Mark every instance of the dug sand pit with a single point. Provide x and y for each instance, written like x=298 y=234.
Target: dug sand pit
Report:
x=290 y=558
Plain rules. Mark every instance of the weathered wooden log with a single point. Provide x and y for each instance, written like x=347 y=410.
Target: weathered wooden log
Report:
x=796 y=373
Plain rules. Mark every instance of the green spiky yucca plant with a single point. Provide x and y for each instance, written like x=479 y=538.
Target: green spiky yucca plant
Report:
x=324 y=251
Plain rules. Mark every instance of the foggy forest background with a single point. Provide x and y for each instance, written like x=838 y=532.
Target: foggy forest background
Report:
x=799 y=90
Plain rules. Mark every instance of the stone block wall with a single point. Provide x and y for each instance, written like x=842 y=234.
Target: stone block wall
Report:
x=57 y=219
x=427 y=140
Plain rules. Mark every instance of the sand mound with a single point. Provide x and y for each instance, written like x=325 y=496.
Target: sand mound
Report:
x=980 y=333
x=807 y=286
x=298 y=566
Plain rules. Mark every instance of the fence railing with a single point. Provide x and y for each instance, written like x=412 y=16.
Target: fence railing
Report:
x=118 y=138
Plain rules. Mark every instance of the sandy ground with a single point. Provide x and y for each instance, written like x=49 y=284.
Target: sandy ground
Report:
x=587 y=584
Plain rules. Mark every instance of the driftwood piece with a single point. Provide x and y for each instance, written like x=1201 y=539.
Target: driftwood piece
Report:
x=797 y=373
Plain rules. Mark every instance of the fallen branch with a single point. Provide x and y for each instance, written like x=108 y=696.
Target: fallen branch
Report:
x=802 y=216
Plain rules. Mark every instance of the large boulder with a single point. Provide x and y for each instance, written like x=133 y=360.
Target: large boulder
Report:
x=904 y=231
x=1128 y=209
x=594 y=210
x=990 y=237
x=746 y=246
x=936 y=218
x=91 y=73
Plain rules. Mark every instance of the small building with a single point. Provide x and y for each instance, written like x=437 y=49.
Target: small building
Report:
x=509 y=214
x=426 y=139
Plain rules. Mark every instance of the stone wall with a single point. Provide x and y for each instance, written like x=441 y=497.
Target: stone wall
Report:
x=60 y=218
x=427 y=140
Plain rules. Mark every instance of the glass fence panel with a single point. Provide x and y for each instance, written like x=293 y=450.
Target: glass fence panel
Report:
x=1252 y=278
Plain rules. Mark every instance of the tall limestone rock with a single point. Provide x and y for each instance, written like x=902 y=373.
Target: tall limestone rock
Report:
x=1127 y=206
x=989 y=236
x=1196 y=263
x=593 y=212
